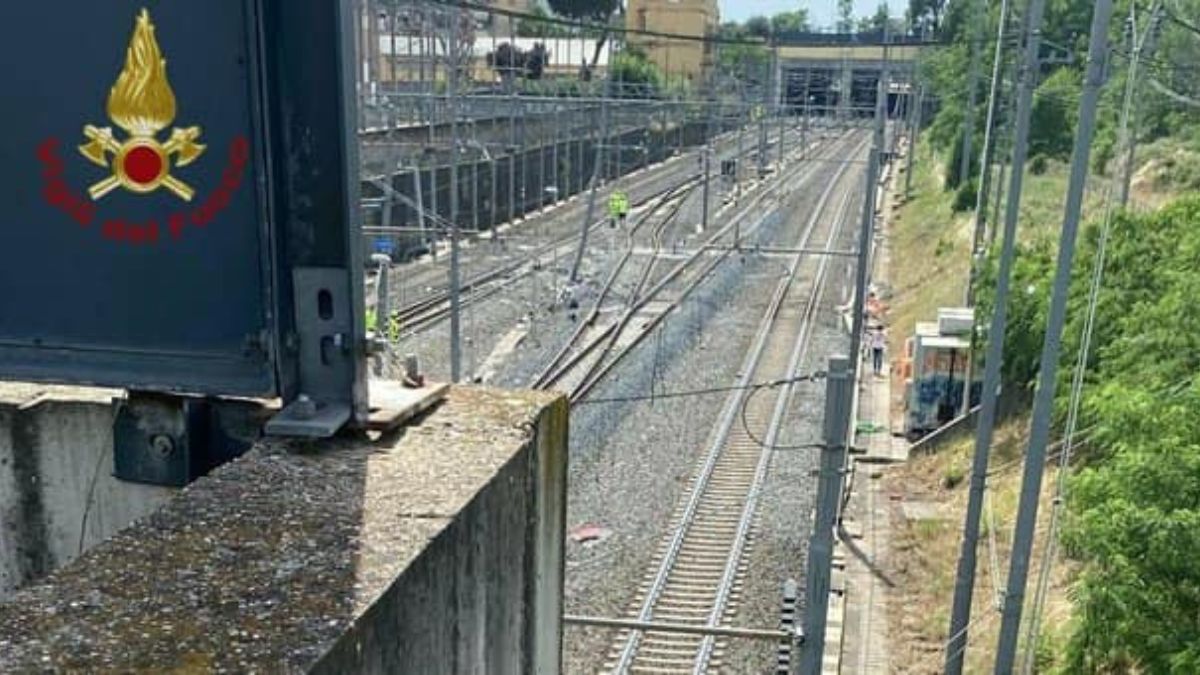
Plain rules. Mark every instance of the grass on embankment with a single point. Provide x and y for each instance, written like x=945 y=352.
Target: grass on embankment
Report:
x=929 y=266
x=930 y=262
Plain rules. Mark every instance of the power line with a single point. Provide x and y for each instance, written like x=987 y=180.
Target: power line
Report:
x=754 y=387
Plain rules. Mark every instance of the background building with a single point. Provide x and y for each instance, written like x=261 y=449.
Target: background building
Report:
x=698 y=18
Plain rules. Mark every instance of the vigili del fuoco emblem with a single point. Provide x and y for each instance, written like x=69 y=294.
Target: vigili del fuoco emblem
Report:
x=142 y=103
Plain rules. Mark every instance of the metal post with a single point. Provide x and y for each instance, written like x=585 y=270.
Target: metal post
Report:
x=512 y=133
x=1007 y=133
x=989 y=142
x=558 y=112
x=964 y=584
x=806 y=112
x=422 y=220
x=839 y=386
x=867 y=231
x=1043 y=404
x=762 y=115
x=914 y=116
x=964 y=166
x=707 y=150
x=455 y=300
x=981 y=195
x=1129 y=117
x=781 y=107
x=590 y=212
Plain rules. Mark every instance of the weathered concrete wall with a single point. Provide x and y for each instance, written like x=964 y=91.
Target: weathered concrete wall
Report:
x=434 y=550
x=57 y=493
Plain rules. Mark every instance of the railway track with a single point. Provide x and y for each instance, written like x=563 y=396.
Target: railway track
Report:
x=583 y=363
x=434 y=306
x=662 y=214
x=696 y=576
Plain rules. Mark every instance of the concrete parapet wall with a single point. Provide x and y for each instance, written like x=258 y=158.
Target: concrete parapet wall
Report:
x=433 y=550
x=57 y=493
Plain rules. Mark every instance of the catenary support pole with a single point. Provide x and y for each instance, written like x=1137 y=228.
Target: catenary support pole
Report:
x=1043 y=403
x=838 y=388
x=707 y=151
x=455 y=299
x=981 y=196
x=985 y=162
x=1142 y=48
x=590 y=211
x=914 y=130
x=768 y=90
x=968 y=138
x=964 y=581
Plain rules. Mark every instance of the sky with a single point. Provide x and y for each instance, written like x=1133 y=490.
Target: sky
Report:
x=820 y=12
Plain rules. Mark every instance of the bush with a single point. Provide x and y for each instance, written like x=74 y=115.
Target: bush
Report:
x=1038 y=165
x=966 y=197
x=1055 y=113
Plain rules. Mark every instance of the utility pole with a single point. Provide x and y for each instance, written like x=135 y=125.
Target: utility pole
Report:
x=707 y=150
x=1129 y=120
x=781 y=107
x=768 y=89
x=1043 y=404
x=455 y=299
x=964 y=166
x=981 y=196
x=839 y=386
x=964 y=583
x=985 y=162
x=914 y=128
x=590 y=212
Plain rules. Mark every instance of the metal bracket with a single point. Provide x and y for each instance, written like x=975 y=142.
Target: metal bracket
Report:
x=161 y=439
x=324 y=323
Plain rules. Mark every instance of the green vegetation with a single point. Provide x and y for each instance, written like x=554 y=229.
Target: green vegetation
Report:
x=1131 y=536
x=637 y=75
x=1056 y=102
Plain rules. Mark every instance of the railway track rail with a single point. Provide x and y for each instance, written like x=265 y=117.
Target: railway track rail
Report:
x=696 y=576
x=581 y=367
x=434 y=307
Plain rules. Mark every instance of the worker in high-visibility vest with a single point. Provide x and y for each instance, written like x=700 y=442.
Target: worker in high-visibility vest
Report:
x=618 y=208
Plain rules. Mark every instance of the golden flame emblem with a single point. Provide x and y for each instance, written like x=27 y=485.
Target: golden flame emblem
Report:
x=143 y=104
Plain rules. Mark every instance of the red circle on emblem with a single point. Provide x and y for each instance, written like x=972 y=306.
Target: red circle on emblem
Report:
x=143 y=165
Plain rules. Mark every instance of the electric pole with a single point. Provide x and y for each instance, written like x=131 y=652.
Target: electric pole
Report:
x=590 y=212
x=985 y=162
x=981 y=196
x=964 y=583
x=1144 y=45
x=843 y=376
x=768 y=90
x=839 y=388
x=1043 y=404
x=964 y=164
x=455 y=299
x=707 y=152
x=914 y=126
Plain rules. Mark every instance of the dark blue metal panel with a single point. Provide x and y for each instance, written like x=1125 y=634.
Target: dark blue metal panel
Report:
x=165 y=289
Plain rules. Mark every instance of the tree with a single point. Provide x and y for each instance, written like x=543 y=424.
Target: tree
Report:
x=639 y=77
x=540 y=27
x=926 y=15
x=758 y=26
x=790 y=22
x=599 y=11
x=511 y=62
x=845 y=9
x=877 y=22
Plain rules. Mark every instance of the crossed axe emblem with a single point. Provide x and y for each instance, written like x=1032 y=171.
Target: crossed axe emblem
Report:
x=141 y=164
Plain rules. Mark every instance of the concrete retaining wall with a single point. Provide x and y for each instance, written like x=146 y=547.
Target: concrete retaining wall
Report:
x=57 y=493
x=436 y=549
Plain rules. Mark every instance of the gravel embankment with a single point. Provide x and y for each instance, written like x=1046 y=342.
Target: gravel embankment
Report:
x=630 y=460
